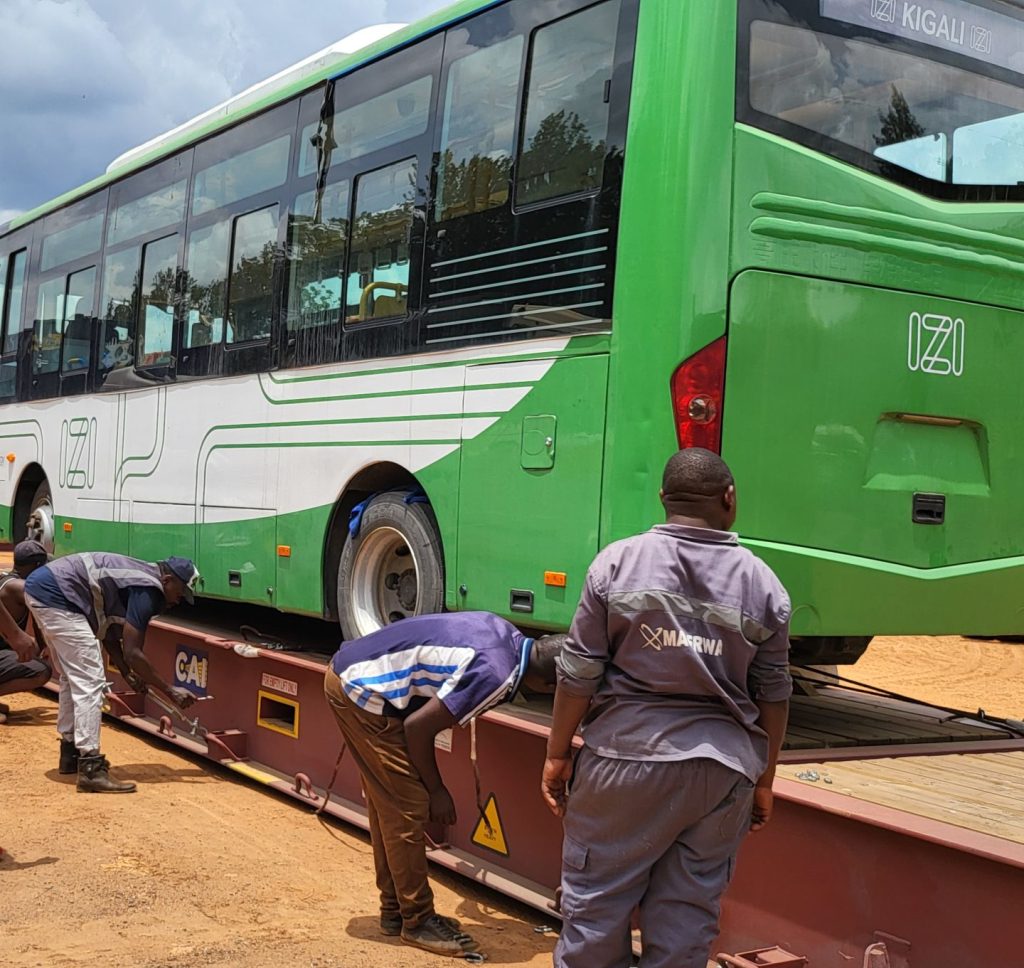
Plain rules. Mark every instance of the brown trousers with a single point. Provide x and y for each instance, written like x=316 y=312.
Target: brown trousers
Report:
x=396 y=801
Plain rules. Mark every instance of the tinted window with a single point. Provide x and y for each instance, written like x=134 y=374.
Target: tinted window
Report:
x=378 y=274
x=117 y=308
x=252 y=276
x=317 y=257
x=566 y=124
x=78 y=319
x=12 y=287
x=478 y=130
x=248 y=173
x=157 y=210
x=156 y=306
x=74 y=241
x=206 y=284
x=374 y=124
x=15 y=296
x=879 y=104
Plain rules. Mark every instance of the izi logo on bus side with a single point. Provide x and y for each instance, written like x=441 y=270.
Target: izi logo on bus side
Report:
x=935 y=344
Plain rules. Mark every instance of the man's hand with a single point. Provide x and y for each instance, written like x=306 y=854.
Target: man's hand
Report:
x=135 y=682
x=24 y=645
x=181 y=698
x=554 y=783
x=763 y=802
x=442 y=807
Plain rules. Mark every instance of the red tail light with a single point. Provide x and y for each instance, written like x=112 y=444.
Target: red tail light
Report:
x=697 y=389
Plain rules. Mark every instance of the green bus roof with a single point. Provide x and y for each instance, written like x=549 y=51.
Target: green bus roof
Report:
x=344 y=65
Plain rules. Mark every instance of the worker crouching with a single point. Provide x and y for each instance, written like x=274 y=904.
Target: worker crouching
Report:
x=392 y=692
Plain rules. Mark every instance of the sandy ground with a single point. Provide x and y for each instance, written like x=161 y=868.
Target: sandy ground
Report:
x=197 y=868
x=202 y=869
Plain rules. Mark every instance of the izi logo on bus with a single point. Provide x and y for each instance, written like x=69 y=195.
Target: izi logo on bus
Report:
x=936 y=344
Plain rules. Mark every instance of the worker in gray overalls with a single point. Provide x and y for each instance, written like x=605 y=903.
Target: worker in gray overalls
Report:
x=678 y=659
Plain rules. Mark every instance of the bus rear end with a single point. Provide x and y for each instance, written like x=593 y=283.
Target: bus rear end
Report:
x=871 y=399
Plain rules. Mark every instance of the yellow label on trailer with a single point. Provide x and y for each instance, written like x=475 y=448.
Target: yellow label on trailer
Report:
x=494 y=837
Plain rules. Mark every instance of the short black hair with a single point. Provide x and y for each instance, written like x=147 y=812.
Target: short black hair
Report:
x=695 y=474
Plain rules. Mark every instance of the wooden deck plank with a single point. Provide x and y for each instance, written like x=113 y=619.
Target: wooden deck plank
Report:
x=972 y=791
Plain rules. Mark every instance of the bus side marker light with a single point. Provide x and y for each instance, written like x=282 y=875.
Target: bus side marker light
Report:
x=284 y=551
x=555 y=579
x=10 y=458
x=68 y=527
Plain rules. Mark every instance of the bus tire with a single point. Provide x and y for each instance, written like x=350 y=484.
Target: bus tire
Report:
x=393 y=568
x=40 y=523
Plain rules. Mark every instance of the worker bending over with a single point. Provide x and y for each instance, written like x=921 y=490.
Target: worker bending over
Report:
x=80 y=599
x=678 y=659
x=21 y=666
x=392 y=692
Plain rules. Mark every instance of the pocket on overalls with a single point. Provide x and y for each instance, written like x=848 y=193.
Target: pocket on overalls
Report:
x=736 y=810
x=574 y=867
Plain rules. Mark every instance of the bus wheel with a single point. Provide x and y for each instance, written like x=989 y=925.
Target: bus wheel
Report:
x=39 y=526
x=393 y=568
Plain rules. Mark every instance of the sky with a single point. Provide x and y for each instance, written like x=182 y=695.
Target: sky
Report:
x=82 y=81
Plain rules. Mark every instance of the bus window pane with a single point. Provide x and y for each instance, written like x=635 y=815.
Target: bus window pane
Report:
x=78 y=320
x=249 y=173
x=252 y=276
x=317 y=258
x=117 y=308
x=48 y=327
x=566 y=109
x=378 y=268
x=375 y=124
x=15 y=296
x=206 y=281
x=159 y=209
x=156 y=306
x=78 y=240
x=478 y=130
x=3 y=285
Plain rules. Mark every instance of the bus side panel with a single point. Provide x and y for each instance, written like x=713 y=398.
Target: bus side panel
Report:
x=530 y=494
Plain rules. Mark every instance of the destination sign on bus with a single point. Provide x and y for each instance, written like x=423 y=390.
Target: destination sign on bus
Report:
x=956 y=25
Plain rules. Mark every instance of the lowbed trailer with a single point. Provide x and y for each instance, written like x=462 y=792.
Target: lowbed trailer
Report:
x=897 y=842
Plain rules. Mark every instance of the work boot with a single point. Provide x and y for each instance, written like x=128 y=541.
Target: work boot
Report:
x=94 y=776
x=437 y=936
x=391 y=924
x=68 y=757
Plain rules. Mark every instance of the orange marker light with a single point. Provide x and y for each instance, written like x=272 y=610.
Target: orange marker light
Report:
x=68 y=527
x=10 y=458
x=555 y=579
x=284 y=551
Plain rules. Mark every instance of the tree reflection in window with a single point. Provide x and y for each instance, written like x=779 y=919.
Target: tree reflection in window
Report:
x=566 y=125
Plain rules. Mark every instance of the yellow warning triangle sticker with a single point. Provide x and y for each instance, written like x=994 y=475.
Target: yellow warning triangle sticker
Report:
x=493 y=838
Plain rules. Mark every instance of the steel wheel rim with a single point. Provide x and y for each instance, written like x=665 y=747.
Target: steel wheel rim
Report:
x=385 y=580
x=39 y=526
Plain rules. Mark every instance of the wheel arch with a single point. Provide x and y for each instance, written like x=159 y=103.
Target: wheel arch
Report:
x=371 y=479
x=31 y=477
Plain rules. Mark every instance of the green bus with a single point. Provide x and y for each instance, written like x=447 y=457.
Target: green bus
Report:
x=416 y=327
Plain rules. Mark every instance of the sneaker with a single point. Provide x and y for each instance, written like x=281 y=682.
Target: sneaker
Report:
x=391 y=924
x=437 y=936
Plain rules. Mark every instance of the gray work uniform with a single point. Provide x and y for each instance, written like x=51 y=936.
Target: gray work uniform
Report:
x=678 y=632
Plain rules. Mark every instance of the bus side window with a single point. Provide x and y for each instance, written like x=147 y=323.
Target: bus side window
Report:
x=478 y=130
x=156 y=302
x=565 y=130
x=12 y=288
x=251 y=288
x=378 y=268
x=78 y=325
x=120 y=296
x=316 y=253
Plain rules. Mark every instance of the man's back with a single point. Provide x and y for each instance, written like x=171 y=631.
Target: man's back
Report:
x=692 y=628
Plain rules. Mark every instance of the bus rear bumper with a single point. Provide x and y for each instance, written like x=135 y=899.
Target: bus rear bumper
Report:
x=837 y=594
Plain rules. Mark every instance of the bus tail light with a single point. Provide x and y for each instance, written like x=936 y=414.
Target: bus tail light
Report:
x=697 y=390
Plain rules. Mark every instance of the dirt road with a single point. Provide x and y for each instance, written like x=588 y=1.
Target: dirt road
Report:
x=201 y=869
x=196 y=869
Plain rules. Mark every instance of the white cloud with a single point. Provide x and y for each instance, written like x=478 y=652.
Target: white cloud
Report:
x=81 y=81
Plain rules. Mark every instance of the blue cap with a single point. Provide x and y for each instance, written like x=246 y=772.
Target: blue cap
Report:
x=185 y=570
